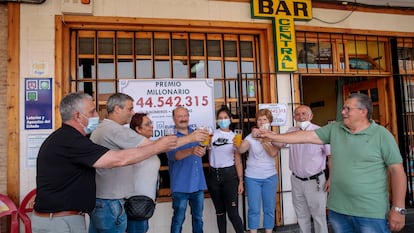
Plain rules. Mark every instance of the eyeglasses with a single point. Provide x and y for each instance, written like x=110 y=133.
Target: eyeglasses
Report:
x=149 y=123
x=348 y=109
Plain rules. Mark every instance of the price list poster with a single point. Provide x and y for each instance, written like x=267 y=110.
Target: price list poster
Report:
x=160 y=97
x=38 y=114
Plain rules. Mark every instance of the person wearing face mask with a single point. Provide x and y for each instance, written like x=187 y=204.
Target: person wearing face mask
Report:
x=260 y=175
x=115 y=184
x=309 y=185
x=225 y=177
x=366 y=163
x=66 y=163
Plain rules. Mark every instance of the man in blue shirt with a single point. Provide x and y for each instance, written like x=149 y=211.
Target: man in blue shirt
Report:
x=186 y=176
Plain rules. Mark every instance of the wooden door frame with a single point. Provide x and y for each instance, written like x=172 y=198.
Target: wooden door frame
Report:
x=386 y=94
x=13 y=79
x=365 y=85
x=387 y=114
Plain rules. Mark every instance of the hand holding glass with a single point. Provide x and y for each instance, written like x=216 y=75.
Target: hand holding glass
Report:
x=170 y=131
x=265 y=127
x=206 y=142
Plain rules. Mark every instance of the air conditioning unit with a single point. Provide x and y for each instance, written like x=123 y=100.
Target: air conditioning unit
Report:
x=77 y=7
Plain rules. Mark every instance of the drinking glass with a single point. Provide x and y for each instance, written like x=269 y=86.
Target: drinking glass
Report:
x=265 y=127
x=238 y=137
x=207 y=141
x=170 y=131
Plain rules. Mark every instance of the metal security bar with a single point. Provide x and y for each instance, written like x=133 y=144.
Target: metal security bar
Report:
x=403 y=66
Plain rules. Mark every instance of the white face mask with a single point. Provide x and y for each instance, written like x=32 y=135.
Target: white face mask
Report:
x=303 y=124
x=265 y=126
x=92 y=124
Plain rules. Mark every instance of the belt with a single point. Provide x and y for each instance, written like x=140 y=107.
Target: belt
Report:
x=314 y=177
x=221 y=168
x=59 y=214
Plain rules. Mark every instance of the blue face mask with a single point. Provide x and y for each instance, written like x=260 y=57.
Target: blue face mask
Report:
x=92 y=124
x=224 y=123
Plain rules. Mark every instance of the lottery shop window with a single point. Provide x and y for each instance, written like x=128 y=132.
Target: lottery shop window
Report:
x=100 y=58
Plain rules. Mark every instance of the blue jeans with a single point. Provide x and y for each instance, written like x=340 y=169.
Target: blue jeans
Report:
x=261 y=193
x=72 y=223
x=342 y=223
x=108 y=216
x=137 y=226
x=179 y=204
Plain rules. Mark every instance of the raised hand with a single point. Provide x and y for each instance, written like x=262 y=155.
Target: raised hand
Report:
x=199 y=151
x=167 y=143
x=199 y=135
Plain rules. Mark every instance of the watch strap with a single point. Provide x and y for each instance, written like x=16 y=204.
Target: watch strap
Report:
x=400 y=210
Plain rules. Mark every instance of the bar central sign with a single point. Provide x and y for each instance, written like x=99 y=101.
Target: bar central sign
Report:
x=283 y=14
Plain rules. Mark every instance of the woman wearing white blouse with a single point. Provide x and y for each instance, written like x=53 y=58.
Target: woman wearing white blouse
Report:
x=146 y=172
x=260 y=176
x=225 y=178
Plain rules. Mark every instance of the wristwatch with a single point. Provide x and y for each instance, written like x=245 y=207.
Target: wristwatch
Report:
x=402 y=211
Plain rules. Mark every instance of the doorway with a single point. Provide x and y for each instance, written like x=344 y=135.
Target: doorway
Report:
x=325 y=96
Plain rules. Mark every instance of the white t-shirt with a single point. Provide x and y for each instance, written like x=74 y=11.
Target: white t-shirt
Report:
x=259 y=165
x=222 y=150
x=146 y=177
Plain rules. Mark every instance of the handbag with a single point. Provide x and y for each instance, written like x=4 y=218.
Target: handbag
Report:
x=139 y=207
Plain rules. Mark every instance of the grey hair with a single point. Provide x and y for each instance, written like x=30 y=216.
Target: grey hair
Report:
x=71 y=103
x=117 y=99
x=364 y=102
x=308 y=109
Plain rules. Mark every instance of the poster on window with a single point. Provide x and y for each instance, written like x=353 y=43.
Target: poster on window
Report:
x=160 y=97
x=38 y=103
x=279 y=113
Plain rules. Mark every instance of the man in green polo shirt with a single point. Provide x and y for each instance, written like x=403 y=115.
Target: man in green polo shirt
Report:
x=362 y=153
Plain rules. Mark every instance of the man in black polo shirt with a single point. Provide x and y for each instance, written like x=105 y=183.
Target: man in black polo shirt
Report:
x=66 y=167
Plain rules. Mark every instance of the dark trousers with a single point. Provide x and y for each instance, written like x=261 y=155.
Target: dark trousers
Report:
x=222 y=184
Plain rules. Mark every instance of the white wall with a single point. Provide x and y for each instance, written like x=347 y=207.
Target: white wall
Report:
x=360 y=20
x=37 y=45
x=37 y=41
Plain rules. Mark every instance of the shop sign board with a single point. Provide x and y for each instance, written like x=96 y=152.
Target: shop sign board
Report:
x=283 y=14
x=279 y=112
x=38 y=103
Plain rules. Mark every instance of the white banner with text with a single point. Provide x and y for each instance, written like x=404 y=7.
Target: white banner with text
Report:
x=160 y=97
